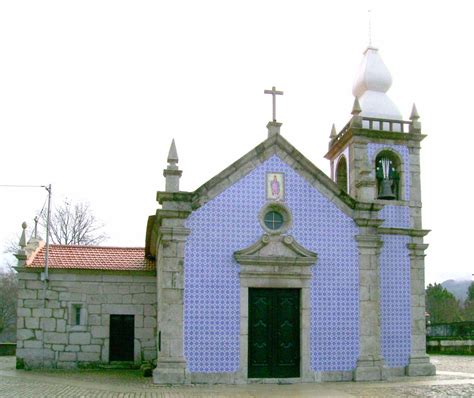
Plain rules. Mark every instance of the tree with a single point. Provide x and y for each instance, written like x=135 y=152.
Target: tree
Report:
x=74 y=225
x=441 y=304
x=8 y=297
x=468 y=310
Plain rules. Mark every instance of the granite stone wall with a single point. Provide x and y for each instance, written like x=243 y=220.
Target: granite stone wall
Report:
x=46 y=331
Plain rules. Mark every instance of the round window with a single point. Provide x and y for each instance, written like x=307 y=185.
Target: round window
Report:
x=273 y=220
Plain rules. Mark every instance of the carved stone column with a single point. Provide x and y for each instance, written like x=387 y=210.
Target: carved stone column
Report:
x=419 y=364
x=370 y=363
x=171 y=364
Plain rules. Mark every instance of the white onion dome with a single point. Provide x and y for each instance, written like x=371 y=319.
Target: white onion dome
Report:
x=370 y=86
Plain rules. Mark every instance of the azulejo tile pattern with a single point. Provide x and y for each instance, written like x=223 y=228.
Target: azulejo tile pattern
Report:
x=395 y=216
x=212 y=287
x=395 y=300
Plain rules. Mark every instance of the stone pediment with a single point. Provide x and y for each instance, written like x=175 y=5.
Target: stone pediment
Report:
x=275 y=250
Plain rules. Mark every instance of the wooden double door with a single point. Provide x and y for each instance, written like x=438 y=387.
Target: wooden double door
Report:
x=274 y=333
x=122 y=334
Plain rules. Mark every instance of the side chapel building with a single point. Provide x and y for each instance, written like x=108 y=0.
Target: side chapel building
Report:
x=269 y=270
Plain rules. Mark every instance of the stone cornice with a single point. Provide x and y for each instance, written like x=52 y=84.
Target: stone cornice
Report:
x=164 y=196
x=353 y=133
x=404 y=231
x=83 y=271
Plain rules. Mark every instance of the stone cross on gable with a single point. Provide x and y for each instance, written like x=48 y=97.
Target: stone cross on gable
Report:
x=274 y=93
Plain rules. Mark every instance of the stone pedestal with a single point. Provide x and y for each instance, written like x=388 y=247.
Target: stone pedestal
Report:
x=420 y=366
x=369 y=370
x=170 y=371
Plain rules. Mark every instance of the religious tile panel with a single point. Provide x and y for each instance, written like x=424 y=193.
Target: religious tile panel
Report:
x=212 y=285
x=395 y=300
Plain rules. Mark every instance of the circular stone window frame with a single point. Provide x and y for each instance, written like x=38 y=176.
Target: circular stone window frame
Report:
x=280 y=208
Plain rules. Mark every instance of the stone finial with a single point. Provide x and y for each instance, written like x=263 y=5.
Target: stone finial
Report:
x=414 y=113
x=356 y=120
x=173 y=154
x=333 y=132
x=356 y=109
x=172 y=174
x=415 y=126
x=21 y=253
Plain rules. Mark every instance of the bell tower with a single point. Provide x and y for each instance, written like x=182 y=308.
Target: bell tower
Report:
x=375 y=158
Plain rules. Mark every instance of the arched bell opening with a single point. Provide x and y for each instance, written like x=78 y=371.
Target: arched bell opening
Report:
x=341 y=173
x=387 y=172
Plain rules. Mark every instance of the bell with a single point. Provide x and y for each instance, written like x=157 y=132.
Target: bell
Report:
x=386 y=189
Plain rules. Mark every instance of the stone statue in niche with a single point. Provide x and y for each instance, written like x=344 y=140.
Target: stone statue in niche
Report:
x=275 y=186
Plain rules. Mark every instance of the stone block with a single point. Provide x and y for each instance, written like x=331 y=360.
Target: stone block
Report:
x=149 y=355
x=52 y=295
x=24 y=334
x=94 y=308
x=136 y=288
x=30 y=303
x=150 y=288
x=114 y=299
x=23 y=312
x=149 y=310
x=38 y=334
x=28 y=276
x=58 y=347
x=88 y=356
x=110 y=288
x=55 y=338
x=48 y=324
x=32 y=344
x=72 y=348
x=94 y=320
x=79 y=338
x=122 y=309
x=91 y=348
x=117 y=278
x=172 y=296
x=67 y=356
x=100 y=332
x=32 y=323
x=27 y=294
x=97 y=299
x=97 y=342
x=61 y=325
x=149 y=322
x=53 y=304
x=20 y=322
x=144 y=298
x=144 y=333
x=43 y=312
x=127 y=299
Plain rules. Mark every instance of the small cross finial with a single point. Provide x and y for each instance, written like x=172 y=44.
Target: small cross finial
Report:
x=36 y=227
x=274 y=93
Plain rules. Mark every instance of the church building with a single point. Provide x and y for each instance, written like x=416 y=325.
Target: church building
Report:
x=270 y=271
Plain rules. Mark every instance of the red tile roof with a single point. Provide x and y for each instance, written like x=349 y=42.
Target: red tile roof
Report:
x=93 y=257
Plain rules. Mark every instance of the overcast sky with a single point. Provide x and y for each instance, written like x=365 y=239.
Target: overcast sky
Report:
x=92 y=92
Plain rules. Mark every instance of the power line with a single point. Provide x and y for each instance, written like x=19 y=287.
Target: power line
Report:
x=22 y=186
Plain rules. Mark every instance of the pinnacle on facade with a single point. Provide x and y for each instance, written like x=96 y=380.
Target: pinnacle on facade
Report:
x=172 y=174
x=333 y=132
x=414 y=113
x=356 y=109
x=173 y=154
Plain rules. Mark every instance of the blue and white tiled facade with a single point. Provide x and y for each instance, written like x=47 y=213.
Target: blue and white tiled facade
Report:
x=230 y=222
x=395 y=300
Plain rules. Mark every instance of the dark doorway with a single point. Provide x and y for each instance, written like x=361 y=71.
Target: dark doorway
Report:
x=274 y=333
x=122 y=334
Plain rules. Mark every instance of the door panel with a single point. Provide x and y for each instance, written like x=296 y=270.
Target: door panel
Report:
x=122 y=335
x=274 y=347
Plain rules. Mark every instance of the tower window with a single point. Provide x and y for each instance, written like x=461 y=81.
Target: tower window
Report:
x=387 y=172
x=341 y=173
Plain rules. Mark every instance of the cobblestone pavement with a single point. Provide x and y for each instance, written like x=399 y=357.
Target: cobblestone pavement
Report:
x=455 y=379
